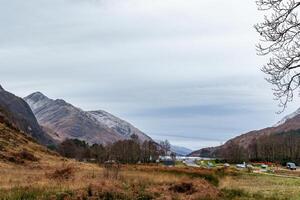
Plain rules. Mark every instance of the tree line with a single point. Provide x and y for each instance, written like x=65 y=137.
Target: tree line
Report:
x=277 y=148
x=125 y=151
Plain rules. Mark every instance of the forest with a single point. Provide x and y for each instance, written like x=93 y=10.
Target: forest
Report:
x=277 y=148
x=125 y=151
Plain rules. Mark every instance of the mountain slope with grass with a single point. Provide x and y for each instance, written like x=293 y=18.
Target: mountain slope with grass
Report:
x=248 y=142
x=32 y=172
x=18 y=148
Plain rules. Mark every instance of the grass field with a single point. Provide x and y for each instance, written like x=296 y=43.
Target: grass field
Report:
x=256 y=186
x=72 y=180
x=29 y=171
x=86 y=181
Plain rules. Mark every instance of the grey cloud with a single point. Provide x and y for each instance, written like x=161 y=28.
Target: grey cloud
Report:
x=172 y=67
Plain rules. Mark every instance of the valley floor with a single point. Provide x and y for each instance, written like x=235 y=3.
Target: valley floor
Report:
x=261 y=186
x=70 y=180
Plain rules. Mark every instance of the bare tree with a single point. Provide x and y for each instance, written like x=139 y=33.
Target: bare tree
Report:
x=166 y=147
x=280 y=40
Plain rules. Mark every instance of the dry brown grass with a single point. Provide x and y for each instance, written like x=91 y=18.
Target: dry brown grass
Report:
x=287 y=172
x=39 y=174
x=17 y=147
x=62 y=174
x=263 y=186
x=88 y=178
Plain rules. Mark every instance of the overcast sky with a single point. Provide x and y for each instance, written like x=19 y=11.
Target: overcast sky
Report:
x=181 y=70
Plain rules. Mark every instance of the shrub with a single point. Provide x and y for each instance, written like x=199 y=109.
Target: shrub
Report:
x=63 y=195
x=64 y=173
x=144 y=197
x=112 y=196
x=25 y=155
x=187 y=188
x=15 y=159
x=111 y=169
x=90 y=191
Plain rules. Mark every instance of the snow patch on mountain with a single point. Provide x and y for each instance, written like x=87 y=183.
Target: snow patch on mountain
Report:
x=37 y=100
x=290 y=116
x=122 y=127
x=72 y=122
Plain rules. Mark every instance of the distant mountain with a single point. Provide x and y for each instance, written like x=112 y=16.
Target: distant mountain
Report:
x=181 y=151
x=63 y=120
x=16 y=111
x=248 y=141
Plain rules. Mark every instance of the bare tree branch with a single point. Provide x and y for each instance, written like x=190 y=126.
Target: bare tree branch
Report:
x=280 y=40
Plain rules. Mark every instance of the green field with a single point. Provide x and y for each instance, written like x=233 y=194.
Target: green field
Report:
x=257 y=186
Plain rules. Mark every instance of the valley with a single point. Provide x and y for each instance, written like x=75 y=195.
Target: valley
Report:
x=149 y=100
x=128 y=164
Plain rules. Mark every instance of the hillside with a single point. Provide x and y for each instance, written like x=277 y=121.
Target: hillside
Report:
x=248 y=141
x=16 y=111
x=63 y=120
x=30 y=171
x=18 y=148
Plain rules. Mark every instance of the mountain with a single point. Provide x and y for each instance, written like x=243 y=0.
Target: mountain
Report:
x=288 y=117
x=120 y=126
x=17 y=112
x=248 y=140
x=63 y=120
x=181 y=151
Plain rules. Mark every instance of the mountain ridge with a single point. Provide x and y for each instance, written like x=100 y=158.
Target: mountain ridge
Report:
x=70 y=122
x=288 y=123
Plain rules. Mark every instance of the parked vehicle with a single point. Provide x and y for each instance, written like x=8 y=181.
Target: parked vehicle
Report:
x=291 y=166
x=241 y=166
x=263 y=166
x=226 y=165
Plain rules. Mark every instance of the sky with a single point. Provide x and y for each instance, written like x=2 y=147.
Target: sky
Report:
x=186 y=71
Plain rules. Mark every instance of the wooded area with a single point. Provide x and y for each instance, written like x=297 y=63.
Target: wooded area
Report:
x=126 y=151
x=278 y=148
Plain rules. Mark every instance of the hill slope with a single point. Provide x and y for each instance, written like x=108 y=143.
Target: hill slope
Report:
x=247 y=140
x=16 y=111
x=67 y=121
x=19 y=148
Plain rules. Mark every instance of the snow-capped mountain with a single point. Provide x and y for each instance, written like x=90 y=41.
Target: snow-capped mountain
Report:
x=63 y=120
x=118 y=125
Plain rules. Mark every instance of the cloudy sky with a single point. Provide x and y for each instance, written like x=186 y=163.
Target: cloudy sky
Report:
x=181 y=70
